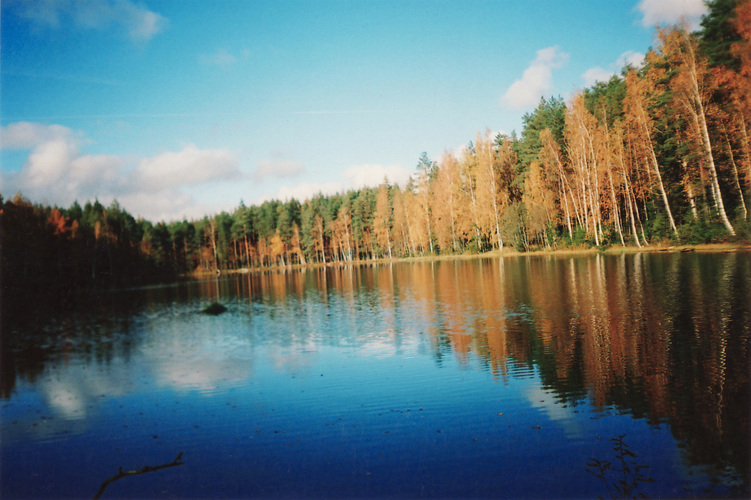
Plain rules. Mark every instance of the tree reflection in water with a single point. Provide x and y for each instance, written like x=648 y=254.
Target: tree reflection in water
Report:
x=663 y=337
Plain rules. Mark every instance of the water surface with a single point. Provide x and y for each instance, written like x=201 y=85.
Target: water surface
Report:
x=483 y=378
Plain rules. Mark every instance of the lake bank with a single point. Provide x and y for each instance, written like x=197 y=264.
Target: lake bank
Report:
x=507 y=252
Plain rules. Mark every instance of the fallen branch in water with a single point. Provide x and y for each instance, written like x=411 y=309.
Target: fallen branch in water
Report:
x=145 y=469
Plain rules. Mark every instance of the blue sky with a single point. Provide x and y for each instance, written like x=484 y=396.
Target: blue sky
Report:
x=185 y=108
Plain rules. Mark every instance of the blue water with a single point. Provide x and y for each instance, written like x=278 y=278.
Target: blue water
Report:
x=417 y=380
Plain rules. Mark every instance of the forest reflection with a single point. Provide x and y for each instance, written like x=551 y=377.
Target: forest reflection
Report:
x=665 y=338
x=662 y=337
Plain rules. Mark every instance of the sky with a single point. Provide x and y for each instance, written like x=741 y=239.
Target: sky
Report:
x=185 y=108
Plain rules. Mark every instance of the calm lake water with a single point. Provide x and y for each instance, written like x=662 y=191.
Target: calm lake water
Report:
x=483 y=378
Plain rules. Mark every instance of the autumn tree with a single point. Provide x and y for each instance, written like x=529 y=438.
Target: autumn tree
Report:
x=552 y=161
x=691 y=89
x=468 y=216
x=383 y=219
x=341 y=232
x=423 y=179
x=540 y=195
x=584 y=148
x=550 y=115
x=642 y=127
x=363 y=210
x=277 y=248
x=488 y=177
x=741 y=97
x=445 y=192
x=313 y=228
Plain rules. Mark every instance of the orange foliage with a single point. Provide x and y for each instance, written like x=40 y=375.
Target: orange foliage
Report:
x=59 y=224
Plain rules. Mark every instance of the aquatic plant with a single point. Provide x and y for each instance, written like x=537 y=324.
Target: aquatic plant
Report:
x=622 y=478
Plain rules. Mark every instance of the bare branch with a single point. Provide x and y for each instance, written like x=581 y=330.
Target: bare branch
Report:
x=145 y=469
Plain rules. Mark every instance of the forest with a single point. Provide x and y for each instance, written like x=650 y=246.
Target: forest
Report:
x=659 y=153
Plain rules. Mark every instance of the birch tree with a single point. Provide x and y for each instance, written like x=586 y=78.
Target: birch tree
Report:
x=444 y=209
x=642 y=127
x=383 y=220
x=487 y=191
x=691 y=94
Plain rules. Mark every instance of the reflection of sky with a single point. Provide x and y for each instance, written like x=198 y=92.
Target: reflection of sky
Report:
x=69 y=388
x=63 y=397
x=388 y=343
x=555 y=410
x=198 y=365
x=332 y=373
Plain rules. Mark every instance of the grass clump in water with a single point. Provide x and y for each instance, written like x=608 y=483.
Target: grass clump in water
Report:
x=214 y=309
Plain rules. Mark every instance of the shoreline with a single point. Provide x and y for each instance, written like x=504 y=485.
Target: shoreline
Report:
x=612 y=250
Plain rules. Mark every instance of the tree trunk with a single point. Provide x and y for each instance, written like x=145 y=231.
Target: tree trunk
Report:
x=653 y=157
x=453 y=224
x=631 y=210
x=474 y=213
x=747 y=151
x=735 y=174
x=701 y=122
x=692 y=100
x=615 y=209
x=212 y=227
x=690 y=193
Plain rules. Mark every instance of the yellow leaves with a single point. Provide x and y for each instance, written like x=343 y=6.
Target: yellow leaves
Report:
x=341 y=231
x=743 y=27
x=276 y=246
x=539 y=198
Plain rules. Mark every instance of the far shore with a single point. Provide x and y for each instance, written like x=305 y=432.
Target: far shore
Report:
x=507 y=252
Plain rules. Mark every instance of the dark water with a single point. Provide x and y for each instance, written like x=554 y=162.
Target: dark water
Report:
x=483 y=378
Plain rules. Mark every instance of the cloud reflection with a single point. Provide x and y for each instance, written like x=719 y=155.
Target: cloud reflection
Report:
x=202 y=361
x=555 y=411
x=70 y=389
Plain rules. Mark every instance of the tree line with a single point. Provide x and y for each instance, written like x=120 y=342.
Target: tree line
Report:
x=659 y=152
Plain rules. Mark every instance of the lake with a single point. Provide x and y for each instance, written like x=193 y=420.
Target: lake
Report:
x=515 y=377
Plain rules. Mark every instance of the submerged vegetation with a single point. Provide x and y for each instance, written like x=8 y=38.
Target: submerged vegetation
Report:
x=622 y=478
x=660 y=153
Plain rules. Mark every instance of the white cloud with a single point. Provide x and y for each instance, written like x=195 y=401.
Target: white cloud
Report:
x=142 y=23
x=354 y=177
x=166 y=205
x=632 y=58
x=190 y=166
x=656 y=12
x=359 y=176
x=278 y=167
x=596 y=74
x=223 y=58
x=460 y=151
x=57 y=173
x=26 y=135
x=536 y=79
x=49 y=161
x=91 y=171
x=220 y=58
x=305 y=191
x=55 y=169
x=138 y=22
x=600 y=74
